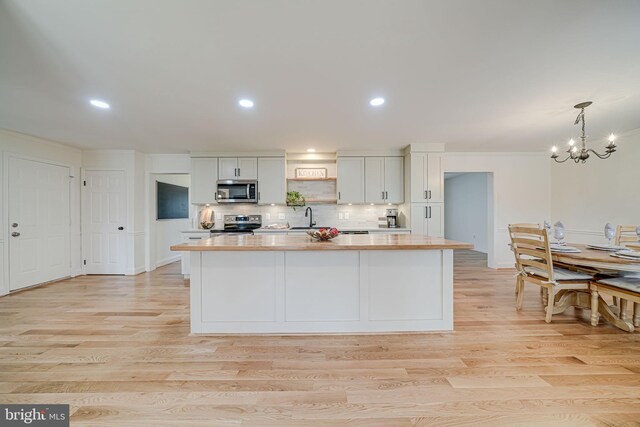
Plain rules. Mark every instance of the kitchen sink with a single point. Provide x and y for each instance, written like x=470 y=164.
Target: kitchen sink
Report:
x=307 y=228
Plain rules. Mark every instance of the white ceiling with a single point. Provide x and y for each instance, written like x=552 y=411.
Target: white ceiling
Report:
x=476 y=75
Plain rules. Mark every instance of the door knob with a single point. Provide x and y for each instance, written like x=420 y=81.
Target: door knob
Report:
x=15 y=234
x=120 y=228
x=14 y=225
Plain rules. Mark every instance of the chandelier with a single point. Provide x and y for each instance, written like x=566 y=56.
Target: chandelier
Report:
x=581 y=154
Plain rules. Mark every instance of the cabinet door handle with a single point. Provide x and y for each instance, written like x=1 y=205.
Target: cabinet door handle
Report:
x=383 y=195
x=386 y=195
x=238 y=171
x=426 y=212
x=429 y=212
x=15 y=234
x=425 y=194
x=339 y=196
x=429 y=194
x=258 y=195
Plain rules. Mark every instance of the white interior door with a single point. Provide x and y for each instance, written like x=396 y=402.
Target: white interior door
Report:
x=39 y=223
x=104 y=207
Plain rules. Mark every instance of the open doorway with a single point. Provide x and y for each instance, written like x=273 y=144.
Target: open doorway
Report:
x=469 y=210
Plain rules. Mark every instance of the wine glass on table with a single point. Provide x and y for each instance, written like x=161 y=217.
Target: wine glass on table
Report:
x=609 y=232
x=558 y=232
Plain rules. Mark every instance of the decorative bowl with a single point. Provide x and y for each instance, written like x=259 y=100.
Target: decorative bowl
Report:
x=206 y=225
x=323 y=233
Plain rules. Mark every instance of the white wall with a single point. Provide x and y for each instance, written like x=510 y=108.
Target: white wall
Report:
x=16 y=144
x=466 y=214
x=133 y=164
x=521 y=187
x=587 y=196
x=159 y=164
x=166 y=232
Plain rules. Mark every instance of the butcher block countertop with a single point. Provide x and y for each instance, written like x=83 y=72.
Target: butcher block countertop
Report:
x=350 y=242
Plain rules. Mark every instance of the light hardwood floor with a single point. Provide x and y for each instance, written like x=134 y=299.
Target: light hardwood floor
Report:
x=118 y=350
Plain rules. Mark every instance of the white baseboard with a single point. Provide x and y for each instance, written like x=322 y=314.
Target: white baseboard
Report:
x=139 y=269
x=505 y=265
x=168 y=260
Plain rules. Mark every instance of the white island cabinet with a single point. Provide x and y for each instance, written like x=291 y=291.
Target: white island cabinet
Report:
x=283 y=284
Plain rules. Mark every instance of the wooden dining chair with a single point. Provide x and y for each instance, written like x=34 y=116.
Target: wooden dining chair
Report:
x=535 y=265
x=626 y=234
x=625 y=289
x=526 y=225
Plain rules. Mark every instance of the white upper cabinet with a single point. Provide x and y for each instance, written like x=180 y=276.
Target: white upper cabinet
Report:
x=374 y=179
x=228 y=168
x=427 y=219
x=384 y=179
x=426 y=178
x=204 y=174
x=238 y=168
x=350 y=180
x=394 y=180
x=271 y=180
x=247 y=168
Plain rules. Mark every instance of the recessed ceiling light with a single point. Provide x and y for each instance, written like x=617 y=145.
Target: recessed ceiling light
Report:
x=99 y=104
x=376 y=102
x=311 y=150
x=246 y=103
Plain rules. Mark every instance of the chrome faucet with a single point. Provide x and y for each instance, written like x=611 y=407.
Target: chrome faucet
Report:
x=309 y=213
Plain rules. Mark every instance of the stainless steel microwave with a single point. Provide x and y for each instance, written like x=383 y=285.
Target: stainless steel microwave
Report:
x=237 y=191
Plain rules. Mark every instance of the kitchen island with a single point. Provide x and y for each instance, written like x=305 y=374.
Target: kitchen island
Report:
x=280 y=284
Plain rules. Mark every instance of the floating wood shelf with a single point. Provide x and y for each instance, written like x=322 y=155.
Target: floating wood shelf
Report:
x=323 y=201
x=311 y=179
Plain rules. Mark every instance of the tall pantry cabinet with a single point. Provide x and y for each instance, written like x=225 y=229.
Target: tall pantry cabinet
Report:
x=425 y=192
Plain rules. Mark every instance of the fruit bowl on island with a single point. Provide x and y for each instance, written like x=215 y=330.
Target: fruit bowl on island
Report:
x=323 y=234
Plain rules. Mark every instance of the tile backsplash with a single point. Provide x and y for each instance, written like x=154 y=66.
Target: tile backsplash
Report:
x=339 y=216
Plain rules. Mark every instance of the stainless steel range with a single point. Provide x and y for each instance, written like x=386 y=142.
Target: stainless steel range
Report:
x=239 y=224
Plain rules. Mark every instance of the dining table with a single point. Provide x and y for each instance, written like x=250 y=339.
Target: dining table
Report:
x=596 y=262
